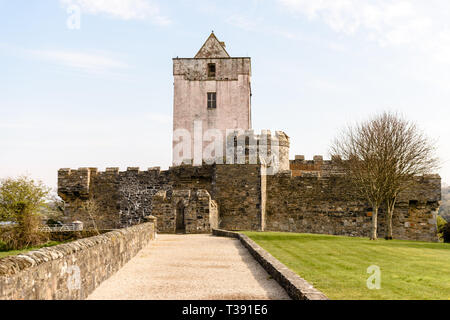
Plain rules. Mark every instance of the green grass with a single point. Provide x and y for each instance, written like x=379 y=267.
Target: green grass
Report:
x=16 y=252
x=337 y=266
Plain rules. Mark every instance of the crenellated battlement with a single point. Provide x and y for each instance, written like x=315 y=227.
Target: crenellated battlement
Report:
x=76 y=183
x=264 y=137
x=318 y=159
x=87 y=172
x=316 y=167
x=248 y=147
x=245 y=195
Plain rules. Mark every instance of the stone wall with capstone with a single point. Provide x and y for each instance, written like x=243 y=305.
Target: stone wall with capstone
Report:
x=71 y=271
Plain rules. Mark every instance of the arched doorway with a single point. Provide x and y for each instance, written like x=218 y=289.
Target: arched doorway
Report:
x=180 y=224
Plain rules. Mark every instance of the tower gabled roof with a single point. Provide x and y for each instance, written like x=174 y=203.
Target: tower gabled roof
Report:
x=212 y=48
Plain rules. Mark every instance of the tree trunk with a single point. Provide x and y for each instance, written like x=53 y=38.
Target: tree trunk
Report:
x=373 y=235
x=390 y=205
x=388 y=224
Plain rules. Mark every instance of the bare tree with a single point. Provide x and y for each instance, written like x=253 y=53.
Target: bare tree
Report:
x=358 y=148
x=92 y=209
x=410 y=154
x=91 y=213
x=382 y=156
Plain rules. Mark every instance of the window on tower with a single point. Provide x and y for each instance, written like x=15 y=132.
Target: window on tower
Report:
x=211 y=70
x=212 y=101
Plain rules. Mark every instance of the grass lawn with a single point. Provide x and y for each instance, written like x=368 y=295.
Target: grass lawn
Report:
x=338 y=265
x=16 y=252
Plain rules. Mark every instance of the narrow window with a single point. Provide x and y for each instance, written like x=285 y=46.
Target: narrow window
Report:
x=211 y=70
x=212 y=102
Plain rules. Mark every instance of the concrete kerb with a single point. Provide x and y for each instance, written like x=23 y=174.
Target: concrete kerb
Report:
x=296 y=287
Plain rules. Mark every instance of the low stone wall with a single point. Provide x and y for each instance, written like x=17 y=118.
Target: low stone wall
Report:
x=71 y=271
x=296 y=287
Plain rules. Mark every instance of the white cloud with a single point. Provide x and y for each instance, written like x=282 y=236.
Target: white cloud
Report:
x=158 y=118
x=260 y=25
x=243 y=23
x=385 y=21
x=16 y=125
x=93 y=62
x=122 y=9
x=257 y=24
x=421 y=27
x=88 y=62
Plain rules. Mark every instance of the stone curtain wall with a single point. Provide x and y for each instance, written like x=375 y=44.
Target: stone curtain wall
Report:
x=52 y=273
x=125 y=197
x=238 y=194
x=313 y=205
x=313 y=197
x=420 y=206
x=317 y=166
x=327 y=205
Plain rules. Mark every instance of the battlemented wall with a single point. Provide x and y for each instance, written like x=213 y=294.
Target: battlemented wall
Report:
x=128 y=197
x=316 y=167
x=313 y=197
x=125 y=197
x=328 y=205
x=71 y=271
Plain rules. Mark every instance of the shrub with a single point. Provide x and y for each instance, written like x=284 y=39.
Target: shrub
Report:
x=441 y=222
x=21 y=202
x=3 y=246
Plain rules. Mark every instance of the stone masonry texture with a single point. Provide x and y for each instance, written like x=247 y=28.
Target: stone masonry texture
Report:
x=71 y=271
x=243 y=197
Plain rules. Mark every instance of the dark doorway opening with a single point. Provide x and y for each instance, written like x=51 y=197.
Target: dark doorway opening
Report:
x=180 y=224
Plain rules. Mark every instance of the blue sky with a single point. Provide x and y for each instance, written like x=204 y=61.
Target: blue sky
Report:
x=101 y=95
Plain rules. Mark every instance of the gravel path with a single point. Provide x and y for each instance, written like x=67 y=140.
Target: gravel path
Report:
x=197 y=267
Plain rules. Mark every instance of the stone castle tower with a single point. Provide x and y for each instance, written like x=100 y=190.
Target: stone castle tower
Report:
x=212 y=91
x=258 y=188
